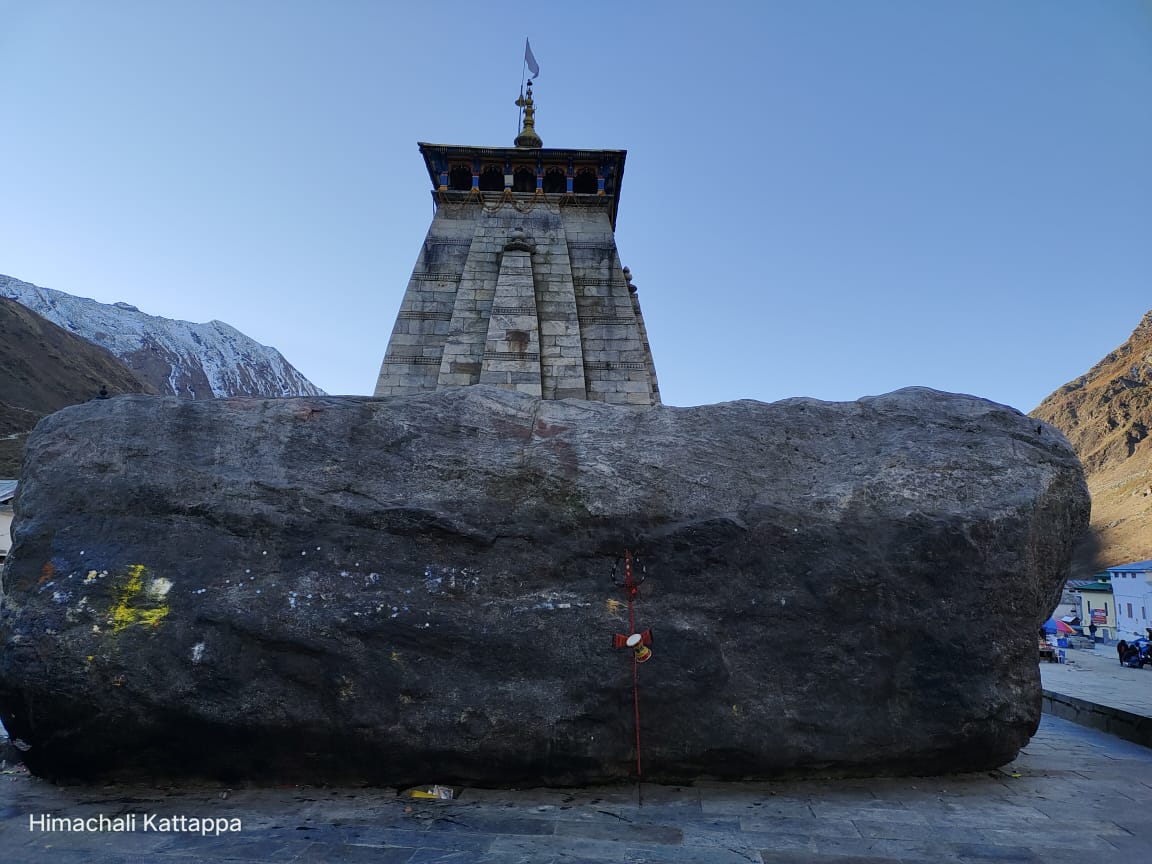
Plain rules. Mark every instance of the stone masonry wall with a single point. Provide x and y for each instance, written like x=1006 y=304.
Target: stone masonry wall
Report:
x=553 y=318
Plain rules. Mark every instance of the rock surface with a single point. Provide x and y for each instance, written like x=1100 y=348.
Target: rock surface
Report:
x=418 y=589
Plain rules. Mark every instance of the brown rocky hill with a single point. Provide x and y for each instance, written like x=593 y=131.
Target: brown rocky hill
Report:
x=1106 y=414
x=44 y=368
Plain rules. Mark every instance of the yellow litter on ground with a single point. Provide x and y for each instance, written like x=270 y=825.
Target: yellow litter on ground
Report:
x=439 y=793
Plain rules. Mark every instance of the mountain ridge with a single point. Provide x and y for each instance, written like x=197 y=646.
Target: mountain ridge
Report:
x=180 y=358
x=45 y=368
x=1106 y=414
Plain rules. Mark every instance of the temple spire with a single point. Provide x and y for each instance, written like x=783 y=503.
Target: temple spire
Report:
x=528 y=136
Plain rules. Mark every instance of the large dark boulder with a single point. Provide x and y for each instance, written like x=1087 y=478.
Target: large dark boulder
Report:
x=418 y=589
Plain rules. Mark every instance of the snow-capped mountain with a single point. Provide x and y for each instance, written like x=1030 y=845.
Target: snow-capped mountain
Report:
x=196 y=361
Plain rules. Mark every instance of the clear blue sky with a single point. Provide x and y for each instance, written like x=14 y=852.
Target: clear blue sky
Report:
x=827 y=199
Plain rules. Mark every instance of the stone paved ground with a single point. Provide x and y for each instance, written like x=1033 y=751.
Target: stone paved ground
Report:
x=1098 y=677
x=1079 y=795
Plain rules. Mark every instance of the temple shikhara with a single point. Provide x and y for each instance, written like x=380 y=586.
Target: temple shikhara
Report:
x=519 y=283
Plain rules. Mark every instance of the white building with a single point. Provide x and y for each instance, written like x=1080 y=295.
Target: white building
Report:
x=1132 y=592
x=7 y=493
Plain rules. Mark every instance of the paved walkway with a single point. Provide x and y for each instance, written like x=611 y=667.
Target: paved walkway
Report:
x=1074 y=794
x=1097 y=676
x=1094 y=690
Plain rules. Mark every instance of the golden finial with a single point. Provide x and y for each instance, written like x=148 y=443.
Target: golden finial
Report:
x=528 y=136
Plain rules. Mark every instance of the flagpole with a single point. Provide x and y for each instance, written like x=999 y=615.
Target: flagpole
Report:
x=523 y=69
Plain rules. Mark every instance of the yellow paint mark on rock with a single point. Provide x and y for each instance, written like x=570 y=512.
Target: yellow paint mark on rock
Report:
x=614 y=608
x=130 y=608
x=395 y=658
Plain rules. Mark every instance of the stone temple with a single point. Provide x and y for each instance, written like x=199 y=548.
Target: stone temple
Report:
x=519 y=283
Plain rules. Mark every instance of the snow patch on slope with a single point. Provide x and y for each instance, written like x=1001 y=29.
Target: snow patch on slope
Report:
x=196 y=361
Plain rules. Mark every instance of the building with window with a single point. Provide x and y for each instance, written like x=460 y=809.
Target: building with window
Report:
x=1097 y=606
x=1132 y=592
x=7 y=493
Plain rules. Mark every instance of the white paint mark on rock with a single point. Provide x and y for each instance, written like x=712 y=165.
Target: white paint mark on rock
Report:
x=432 y=580
x=158 y=588
x=197 y=652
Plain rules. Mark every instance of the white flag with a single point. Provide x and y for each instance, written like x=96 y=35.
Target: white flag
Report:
x=533 y=66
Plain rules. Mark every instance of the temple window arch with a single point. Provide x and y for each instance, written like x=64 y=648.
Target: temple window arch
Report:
x=555 y=181
x=460 y=178
x=524 y=180
x=585 y=182
x=492 y=179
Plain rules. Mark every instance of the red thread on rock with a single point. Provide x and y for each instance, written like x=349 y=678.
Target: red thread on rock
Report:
x=631 y=588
